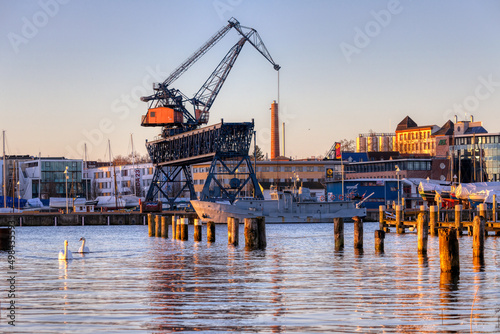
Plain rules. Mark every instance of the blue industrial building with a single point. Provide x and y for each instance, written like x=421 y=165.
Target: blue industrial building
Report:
x=385 y=191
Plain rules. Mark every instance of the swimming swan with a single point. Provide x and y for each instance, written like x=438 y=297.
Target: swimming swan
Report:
x=65 y=254
x=83 y=248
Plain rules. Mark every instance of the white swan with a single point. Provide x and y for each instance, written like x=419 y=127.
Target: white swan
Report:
x=83 y=248
x=65 y=254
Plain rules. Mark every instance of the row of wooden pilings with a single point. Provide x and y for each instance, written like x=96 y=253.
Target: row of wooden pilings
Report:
x=255 y=230
x=449 y=233
x=434 y=216
x=448 y=240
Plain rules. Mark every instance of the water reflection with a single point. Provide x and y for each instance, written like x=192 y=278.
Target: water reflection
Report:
x=297 y=284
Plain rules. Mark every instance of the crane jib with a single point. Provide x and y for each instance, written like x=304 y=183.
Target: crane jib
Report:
x=167 y=105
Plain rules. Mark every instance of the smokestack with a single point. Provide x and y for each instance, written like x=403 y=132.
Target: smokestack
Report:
x=471 y=118
x=275 y=131
x=283 y=135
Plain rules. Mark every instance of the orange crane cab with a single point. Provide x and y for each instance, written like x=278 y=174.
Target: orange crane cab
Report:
x=162 y=116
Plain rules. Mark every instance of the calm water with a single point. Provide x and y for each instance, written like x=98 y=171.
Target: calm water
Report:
x=132 y=283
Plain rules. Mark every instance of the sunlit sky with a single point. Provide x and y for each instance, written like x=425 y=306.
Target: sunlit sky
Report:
x=72 y=71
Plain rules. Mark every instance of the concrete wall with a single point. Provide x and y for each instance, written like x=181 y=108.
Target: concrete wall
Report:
x=42 y=219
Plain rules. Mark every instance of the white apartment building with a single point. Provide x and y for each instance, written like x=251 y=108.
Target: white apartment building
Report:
x=103 y=180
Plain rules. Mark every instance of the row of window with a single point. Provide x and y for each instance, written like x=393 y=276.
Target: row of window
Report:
x=122 y=184
x=414 y=135
x=477 y=140
x=124 y=172
x=202 y=181
x=60 y=166
x=416 y=147
x=388 y=166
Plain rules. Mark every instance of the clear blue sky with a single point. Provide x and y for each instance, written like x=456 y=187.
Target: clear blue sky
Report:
x=71 y=70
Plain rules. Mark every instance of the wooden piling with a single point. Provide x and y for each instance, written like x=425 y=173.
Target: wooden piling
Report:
x=210 y=231
x=197 y=230
x=338 y=228
x=174 y=227
x=178 y=229
x=184 y=229
x=164 y=227
x=233 y=226
x=379 y=241
x=482 y=211
x=157 y=226
x=478 y=237
x=261 y=224
x=381 y=217
x=448 y=250
x=422 y=233
x=251 y=233
x=433 y=219
x=150 y=225
x=399 y=219
x=5 y=238
x=494 y=209
x=358 y=232
x=458 y=219
x=439 y=206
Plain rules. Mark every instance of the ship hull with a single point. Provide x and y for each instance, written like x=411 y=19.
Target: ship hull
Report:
x=318 y=212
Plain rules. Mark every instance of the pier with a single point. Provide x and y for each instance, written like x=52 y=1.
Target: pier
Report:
x=85 y=218
x=463 y=220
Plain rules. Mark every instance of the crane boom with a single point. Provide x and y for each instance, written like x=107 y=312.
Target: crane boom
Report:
x=200 y=52
x=205 y=97
x=167 y=104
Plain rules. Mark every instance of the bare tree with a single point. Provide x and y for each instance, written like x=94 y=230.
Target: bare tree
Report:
x=347 y=145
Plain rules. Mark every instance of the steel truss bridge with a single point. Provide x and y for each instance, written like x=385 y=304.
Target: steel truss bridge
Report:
x=225 y=144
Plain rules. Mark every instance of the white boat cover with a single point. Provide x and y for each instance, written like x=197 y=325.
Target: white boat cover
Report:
x=425 y=186
x=463 y=190
x=60 y=203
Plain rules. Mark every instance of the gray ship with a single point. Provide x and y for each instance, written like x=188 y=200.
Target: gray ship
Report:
x=288 y=206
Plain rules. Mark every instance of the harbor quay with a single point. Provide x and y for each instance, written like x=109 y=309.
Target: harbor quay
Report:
x=76 y=219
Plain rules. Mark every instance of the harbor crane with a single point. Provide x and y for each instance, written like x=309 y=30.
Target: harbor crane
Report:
x=167 y=104
x=183 y=141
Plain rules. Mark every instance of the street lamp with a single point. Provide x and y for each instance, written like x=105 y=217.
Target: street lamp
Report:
x=397 y=174
x=66 y=174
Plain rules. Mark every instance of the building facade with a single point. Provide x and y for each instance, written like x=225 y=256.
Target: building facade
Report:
x=121 y=180
x=414 y=139
x=52 y=177
x=476 y=157
x=283 y=173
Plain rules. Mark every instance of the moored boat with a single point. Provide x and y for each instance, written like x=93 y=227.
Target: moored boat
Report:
x=283 y=207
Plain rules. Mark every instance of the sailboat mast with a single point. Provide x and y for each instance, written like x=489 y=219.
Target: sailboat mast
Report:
x=133 y=164
x=86 y=175
x=4 y=193
x=114 y=175
x=40 y=177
